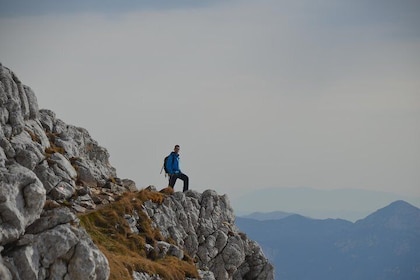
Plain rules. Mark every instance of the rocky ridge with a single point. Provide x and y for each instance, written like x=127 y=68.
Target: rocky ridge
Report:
x=51 y=172
x=203 y=225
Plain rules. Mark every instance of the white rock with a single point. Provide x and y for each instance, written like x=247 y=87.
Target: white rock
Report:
x=22 y=197
x=203 y=224
x=64 y=164
x=43 y=244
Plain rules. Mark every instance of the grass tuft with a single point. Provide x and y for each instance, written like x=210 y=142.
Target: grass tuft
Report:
x=126 y=251
x=167 y=191
x=34 y=137
x=53 y=148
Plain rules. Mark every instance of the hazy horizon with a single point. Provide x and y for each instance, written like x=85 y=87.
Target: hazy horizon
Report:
x=347 y=204
x=257 y=93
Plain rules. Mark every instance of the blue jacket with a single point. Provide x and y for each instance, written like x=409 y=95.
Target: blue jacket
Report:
x=172 y=163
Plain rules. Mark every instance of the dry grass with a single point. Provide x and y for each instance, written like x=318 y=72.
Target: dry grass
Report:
x=34 y=137
x=51 y=204
x=126 y=250
x=167 y=191
x=53 y=148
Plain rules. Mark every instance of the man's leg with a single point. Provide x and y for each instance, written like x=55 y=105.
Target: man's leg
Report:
x=184 y=178
x=172 y=180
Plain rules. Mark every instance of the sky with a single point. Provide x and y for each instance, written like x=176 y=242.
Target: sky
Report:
x=259 y=94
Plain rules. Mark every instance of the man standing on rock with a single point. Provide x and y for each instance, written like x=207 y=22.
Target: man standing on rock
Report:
x=172 y=167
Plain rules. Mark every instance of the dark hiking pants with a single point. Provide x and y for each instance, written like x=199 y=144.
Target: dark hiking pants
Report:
x=182 y=176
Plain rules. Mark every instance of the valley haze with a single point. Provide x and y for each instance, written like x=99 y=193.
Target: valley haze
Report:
x=348 y=204
x=384 y=245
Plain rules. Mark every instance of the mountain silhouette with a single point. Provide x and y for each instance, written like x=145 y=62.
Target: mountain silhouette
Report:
x=260 y=216
x=384 y=245
x=349 y=204
x=399 y=215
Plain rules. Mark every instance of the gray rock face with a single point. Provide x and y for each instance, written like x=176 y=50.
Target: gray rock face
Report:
x=22 y=198
x=39 y=161
x=4 y=271
x=63 y=157
x=62 y=252
x=203 y=225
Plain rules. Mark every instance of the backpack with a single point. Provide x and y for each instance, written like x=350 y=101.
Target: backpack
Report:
x=165 y=163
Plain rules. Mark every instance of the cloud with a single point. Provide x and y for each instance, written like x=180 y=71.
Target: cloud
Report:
x=267 y=93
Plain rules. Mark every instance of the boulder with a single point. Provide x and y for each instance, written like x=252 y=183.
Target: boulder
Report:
x=22 y=197
x=66 y=249
x=129 y=185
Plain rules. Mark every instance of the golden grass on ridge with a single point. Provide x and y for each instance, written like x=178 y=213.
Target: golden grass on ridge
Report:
x=125 y=250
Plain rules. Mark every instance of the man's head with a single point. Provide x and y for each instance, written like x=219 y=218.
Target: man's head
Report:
x=176 y=149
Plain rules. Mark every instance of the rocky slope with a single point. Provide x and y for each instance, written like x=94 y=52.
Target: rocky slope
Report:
x=203 y=225
x=52 y=172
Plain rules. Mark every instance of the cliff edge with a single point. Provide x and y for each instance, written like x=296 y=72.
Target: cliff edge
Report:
x=203 y=225
x=62 y=206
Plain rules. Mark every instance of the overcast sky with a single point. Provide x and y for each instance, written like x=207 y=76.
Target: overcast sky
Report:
x=267 y=93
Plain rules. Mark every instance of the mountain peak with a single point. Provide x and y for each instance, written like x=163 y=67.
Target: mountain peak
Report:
x=399 y=215
x=401 y=204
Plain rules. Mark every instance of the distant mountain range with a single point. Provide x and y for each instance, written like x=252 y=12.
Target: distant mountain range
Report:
x=385 y=245
x=275 y=215
x=348 y=204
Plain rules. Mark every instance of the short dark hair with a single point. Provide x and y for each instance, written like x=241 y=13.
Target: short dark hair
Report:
x=176 y=146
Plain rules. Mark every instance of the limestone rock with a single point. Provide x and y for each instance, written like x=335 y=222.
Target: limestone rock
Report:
x=206 y=275
x=166 y=249
x=65 y=248
x=50 y=170
x=203 y=224
x=18 y=102
x=4 y=271
x=87 y=262
x=22 y=197
x=132 y=222
x=145 y=276
x=129 y=185
x=50 y=219
x=39 y=162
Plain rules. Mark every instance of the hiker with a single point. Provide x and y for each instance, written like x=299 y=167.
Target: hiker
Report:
x=172 y=168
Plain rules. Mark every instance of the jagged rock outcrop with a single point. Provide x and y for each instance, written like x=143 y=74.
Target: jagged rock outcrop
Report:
x=203 y=225
x=45 y=162
x=50 y=171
